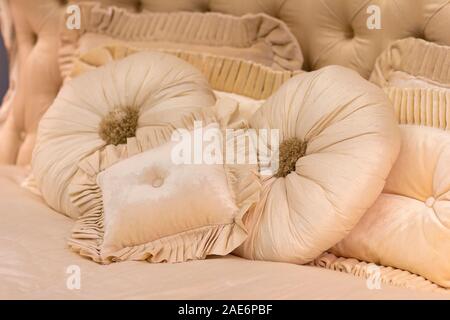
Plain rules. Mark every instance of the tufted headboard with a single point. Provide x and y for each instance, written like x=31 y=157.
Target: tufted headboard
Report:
x=329 y=32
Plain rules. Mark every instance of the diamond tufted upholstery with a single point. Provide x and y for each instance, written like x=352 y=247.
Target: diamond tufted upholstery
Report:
x=329 y=32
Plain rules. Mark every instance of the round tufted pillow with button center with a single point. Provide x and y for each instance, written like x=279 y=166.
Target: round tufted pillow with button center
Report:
x=408 y=227
x=146 y=95
x=339 y=140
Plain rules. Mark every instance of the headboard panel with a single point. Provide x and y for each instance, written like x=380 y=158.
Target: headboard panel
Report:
x=329 y=32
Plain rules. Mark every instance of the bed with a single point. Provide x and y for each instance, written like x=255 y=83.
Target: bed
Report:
x=35 y=261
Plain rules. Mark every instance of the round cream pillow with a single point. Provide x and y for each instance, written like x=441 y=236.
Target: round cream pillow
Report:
x=408 y=227
x=339 y=140
x=145 y=95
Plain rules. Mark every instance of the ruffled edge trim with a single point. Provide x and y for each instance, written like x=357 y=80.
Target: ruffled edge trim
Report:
x=226 y=74
x=421 y=106
x=183 y=27
x=416 y=57
x=87 y=234
x=385 y=275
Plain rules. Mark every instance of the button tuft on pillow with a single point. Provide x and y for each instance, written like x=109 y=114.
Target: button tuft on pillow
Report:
x=430 y=202
x=291 y=150
x=350 y=33
x=119 y=125
x=158 y=182
x=154 y=176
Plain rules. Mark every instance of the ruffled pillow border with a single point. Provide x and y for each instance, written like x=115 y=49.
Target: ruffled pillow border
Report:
x=121 y=24
x=416 y=57
x=87 y=234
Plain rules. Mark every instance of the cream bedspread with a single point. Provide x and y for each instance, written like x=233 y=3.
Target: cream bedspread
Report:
x=34 y=260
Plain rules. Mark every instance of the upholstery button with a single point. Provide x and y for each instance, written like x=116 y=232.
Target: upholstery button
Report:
x=34 y=38
x=158 y=182
x=350 y=33
x=430 y=202
x=154 y=176
x=139 y=6
x=419 y=34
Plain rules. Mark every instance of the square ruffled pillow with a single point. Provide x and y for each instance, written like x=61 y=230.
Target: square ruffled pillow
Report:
x=154 y=207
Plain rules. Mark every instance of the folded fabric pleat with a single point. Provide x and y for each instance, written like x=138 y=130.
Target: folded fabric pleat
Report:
x=421 y=106
x=376 y=273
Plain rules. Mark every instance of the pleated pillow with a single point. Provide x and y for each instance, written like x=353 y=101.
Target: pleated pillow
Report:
x=231 y=49
x=144 y=96
x=241 y=77
x=413 y=63
x=339 y=140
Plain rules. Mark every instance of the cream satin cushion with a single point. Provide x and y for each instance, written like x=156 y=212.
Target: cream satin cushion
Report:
x=350 y=142
x=152 y=206
x=408 y=227
x=164 y=91
x=413 y=63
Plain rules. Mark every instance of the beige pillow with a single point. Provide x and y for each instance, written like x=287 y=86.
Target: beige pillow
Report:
x=339 y=140
x=153 y=207
x=253 y=37
x=413 y=63
x=146 y=95
x=408 y=227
